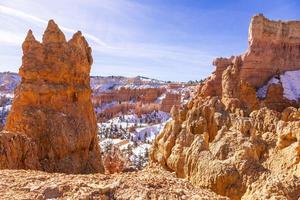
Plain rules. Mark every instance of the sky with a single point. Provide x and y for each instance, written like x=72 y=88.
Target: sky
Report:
x=174 y=40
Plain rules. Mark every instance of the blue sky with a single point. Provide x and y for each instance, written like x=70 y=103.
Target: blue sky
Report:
x=164 y=39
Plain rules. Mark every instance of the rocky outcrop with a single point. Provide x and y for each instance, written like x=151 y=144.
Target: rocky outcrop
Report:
x=228 y=139
x=229 y=152
x=52 y=124
x=147 y=95
x=273 y=50
x=18 y=151
x=140 y=100
x=113 y=160
x=148 y=184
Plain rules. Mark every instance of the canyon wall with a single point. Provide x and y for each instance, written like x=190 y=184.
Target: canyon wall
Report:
x=274 y=47
x=140 y=99
x=52 y=124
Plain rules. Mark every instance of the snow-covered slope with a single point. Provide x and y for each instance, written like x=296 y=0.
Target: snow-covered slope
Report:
x=8 y=82
x=102 y=84
x=290 y=81
x=132 y=134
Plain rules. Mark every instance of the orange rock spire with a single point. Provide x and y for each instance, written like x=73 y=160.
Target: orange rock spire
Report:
x=52 y=105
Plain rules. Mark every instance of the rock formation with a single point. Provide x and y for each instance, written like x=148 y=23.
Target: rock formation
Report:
x=150 y=183
x=273 y=49
x=140 y=99
x=230 y=140
x=170 y=100
x=52 y=124
x=113 y=160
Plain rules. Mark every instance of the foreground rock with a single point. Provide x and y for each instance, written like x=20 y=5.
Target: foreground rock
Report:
x=229 y=140
x=151 y=183
x=52 y=124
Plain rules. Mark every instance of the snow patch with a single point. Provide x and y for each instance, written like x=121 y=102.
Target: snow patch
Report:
x=290 y=81
x=262 y=92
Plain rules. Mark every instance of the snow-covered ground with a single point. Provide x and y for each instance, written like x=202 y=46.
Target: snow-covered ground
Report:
x=8 y=82
x=102 y=84
x=105 y=106
x=290 y=81
x=132 y=133
x=159 y=99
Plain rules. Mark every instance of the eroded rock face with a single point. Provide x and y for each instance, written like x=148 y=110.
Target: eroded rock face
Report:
x=169 y=101
x=274 y=48
x=229 y=140
x=113 y=160
x=52 y=107
x=229 y=152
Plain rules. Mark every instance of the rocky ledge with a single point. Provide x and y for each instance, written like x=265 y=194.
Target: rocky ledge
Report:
x=150 y=183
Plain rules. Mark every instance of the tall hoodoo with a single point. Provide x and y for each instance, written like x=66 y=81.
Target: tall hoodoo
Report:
x=52 y=105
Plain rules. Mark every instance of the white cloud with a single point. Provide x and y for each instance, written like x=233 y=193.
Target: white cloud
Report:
x=32 y=18
x=20 y=14
x=10 y=38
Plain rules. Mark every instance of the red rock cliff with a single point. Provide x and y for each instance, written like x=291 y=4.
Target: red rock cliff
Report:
x=274 y=47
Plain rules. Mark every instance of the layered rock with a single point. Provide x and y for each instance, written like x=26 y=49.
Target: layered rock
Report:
x=228 y=139
x=52 y=121
x=139 y=99
x=170 y=100
x=274 y=48
x=147 y=95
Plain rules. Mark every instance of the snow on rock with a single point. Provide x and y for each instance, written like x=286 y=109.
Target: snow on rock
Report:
x=147 y=133
x=8 y=82
x=100 y=109
x=262 y=92
x=101 y=84
x=291 y=84
x=132 y=134
x=290 y=81
x=159 y=99
x=141 y=150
